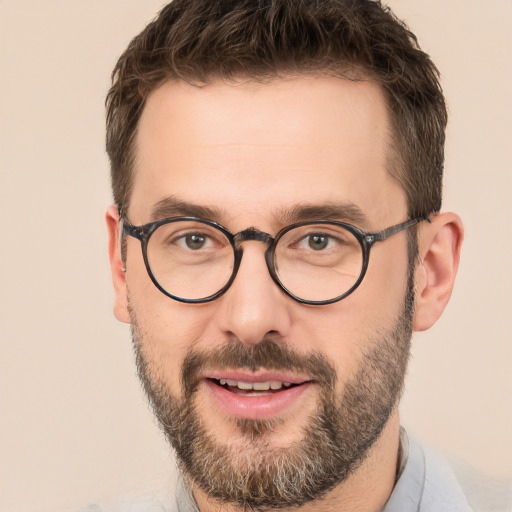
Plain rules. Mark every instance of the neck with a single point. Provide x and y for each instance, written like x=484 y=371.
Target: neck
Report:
x=366 y=490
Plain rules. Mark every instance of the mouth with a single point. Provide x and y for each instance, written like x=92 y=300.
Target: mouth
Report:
x=256 y=396
x=245 y=388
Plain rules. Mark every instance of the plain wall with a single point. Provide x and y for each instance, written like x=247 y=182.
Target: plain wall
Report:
x=74 y=424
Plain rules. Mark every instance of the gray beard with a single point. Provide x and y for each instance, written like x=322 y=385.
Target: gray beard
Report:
x=334 y=443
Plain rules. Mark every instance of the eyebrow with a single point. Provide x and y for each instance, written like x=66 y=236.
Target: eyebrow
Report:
x=340 y=211
x=171 y=206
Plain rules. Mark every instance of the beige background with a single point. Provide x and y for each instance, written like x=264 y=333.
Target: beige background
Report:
x=74 y=425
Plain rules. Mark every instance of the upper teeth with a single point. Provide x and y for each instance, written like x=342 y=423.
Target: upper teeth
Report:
x=258 y=386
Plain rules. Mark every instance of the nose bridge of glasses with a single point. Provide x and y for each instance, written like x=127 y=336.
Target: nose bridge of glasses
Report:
x=252 y=234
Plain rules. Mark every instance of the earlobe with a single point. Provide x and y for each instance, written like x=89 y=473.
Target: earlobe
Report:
x=439 y=245
x=117 y=265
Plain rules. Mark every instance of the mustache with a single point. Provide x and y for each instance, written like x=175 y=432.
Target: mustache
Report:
x=268 y=354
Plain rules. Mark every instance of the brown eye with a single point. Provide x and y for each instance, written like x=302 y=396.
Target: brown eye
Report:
x=318 y=242
x=195 y=241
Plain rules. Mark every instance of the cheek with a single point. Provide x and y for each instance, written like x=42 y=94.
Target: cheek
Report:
x=344 y=331
x=167 y=330
x=385 y=283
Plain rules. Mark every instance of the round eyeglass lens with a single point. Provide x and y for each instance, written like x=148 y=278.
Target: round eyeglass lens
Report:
x=189 y=259
x=318 y=262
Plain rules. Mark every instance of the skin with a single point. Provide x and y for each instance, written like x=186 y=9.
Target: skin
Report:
x=253 y=152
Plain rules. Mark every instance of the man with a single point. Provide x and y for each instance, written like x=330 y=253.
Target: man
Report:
x=276 y=237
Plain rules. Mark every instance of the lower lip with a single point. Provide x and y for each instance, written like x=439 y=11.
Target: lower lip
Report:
x=256 y=407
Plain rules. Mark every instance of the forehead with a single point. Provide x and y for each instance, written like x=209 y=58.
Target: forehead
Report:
x=249 y=146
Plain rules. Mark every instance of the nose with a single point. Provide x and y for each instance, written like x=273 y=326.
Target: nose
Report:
x=254 y=306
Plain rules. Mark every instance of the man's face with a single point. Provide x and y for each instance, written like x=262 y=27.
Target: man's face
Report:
x=254 y=155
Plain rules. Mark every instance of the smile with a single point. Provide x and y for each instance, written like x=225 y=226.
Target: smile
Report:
x=252 y=388
x=244 y=395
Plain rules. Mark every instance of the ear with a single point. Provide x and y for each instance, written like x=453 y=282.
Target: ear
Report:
x=117 y=265
x=439 y=244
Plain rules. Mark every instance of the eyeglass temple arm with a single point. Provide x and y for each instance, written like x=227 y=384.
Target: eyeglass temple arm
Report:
x=127 y=228
x=392 y=230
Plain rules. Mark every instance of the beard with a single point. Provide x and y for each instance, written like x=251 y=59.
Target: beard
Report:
x=337 y=438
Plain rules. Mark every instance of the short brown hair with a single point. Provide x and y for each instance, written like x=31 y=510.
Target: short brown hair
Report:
x=203 y=40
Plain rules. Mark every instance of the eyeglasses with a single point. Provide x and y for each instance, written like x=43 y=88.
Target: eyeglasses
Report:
x=196 y=260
